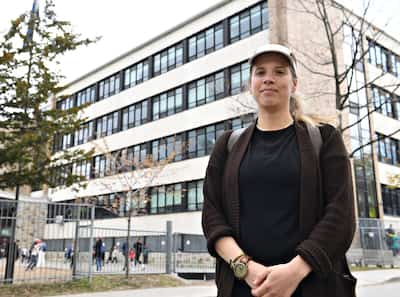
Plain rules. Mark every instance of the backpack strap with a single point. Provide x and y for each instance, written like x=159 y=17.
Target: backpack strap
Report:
x=313 y=131
x=316 y=138
x=234 y=137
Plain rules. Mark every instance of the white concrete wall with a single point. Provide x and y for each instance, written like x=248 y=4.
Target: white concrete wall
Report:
x=184 y=222
x=222 y=58
x=163 y=41
x=219 y=110
x=187 y=170
x=386 y=125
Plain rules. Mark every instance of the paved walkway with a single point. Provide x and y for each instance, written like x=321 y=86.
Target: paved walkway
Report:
x=365 y=278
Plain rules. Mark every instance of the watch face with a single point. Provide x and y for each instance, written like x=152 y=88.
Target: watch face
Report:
x=240 y=270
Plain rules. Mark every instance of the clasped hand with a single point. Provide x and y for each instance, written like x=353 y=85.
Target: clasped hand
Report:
x=273 y=281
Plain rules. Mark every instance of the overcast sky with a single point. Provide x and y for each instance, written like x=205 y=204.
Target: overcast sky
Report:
x=124 y=24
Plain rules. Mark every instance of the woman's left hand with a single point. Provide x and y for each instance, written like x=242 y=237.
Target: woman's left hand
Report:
x=282 y=280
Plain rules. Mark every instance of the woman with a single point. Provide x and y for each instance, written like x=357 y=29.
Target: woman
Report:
x=277 y=218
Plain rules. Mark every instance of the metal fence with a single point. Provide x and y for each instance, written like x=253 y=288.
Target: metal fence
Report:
x=60 y=242
x=379 y=243
x=26 y=229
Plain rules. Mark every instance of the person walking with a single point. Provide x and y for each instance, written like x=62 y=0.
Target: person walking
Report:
x=42 y=254
x=98 y=253
x=138 y=251
x=34 y=256
x=278 y=210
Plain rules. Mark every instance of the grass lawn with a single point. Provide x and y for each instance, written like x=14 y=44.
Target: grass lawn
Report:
x=99 y=283
x=366 y=268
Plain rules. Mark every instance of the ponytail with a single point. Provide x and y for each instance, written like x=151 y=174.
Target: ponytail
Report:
x=297 y=112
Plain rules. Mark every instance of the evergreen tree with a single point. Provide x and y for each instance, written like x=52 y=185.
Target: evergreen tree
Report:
x=29 y=84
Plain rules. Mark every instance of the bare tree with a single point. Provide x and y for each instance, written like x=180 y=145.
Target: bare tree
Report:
x=343 y=28
x=134 y=172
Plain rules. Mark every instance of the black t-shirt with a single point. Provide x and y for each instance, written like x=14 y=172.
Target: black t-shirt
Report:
x=269 y=184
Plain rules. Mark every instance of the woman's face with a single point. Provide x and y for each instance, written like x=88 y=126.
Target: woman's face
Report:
x=271 y=82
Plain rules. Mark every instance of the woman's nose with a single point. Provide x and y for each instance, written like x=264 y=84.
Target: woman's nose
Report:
x=268 y=79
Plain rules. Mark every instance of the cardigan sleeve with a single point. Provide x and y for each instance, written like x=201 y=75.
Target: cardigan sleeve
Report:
x=332 y=235
x=214 y=222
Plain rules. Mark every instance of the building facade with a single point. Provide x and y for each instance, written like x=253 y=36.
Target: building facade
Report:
x=173 y=96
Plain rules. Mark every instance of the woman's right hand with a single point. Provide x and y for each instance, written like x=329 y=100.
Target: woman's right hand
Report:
x=255 y=271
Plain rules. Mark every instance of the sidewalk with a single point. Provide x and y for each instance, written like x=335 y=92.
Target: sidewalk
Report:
x=208 y=289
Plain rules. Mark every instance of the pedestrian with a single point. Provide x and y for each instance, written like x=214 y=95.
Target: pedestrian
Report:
x=125 y=253
x=114 y=255
x=98 y=253
x=103 y=253
x=34 y=255
x=42 y=254
x=278 y=210
x=396 y=244
x=132 y=256
x=389 y=235
x=24 y=255
x=138 y=248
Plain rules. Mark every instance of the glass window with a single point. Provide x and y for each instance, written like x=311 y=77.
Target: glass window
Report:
x=164 y=62
x=192 y=48
x=201 y=143
x=264 y=16
x=201 y=92
x=192 y=144
x=255 y=13
x=178 y=147
x=157 y=63
x=133 y=76
x=219 y=37
x=139 y=73
x=145 y=71
x=192 y=95
x=210 y=40
x=156 y=111
x=131 y=116
x=210 y=134
x=191 y=196
x=161 y=196
x=219 y=84
x=179 y=55
x=171 y=102
x=200 y=195
x=201 y=43
x=171 y=57
x=178 y=194
x=163 y=105
x=235 y=80
x=162 y=149
x=178 y=99
x=244 y=24
x=124 y=119
x=137 y=114
x=144 y=111
x=170 y=196
x=234 y=28
x=154 y=200
x=210 y=91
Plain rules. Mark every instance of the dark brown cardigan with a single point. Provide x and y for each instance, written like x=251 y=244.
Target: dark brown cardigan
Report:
x=326 y=225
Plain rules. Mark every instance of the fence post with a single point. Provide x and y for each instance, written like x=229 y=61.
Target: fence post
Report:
x=168 y=258
x=76 y=241
x=90 y=260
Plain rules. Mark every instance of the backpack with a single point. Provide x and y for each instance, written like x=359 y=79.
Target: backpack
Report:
x=313 y=131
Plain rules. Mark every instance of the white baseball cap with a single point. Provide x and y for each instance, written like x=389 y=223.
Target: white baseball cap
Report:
x=275 y=48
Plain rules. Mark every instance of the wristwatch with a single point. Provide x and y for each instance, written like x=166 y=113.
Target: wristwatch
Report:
x=239 y=266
